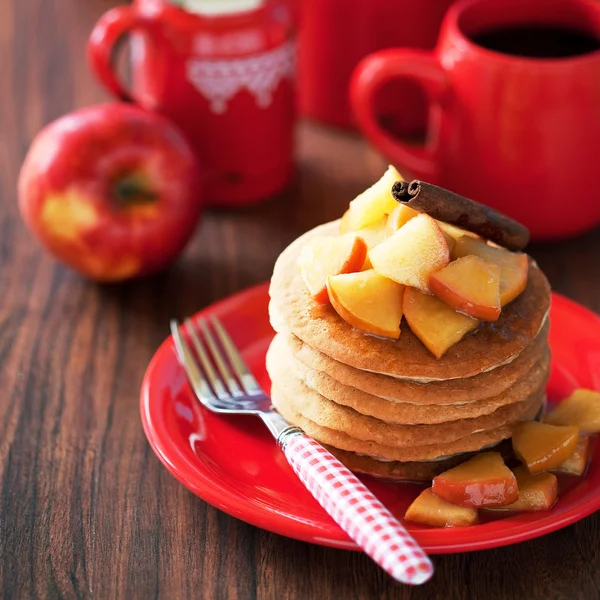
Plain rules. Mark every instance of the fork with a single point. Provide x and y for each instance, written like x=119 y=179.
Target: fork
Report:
x=223 y=384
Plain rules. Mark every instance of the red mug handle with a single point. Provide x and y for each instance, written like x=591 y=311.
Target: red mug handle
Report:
x=381 y=67
x=108 y=31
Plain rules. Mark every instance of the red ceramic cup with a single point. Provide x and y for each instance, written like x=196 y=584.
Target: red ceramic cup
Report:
x=519 y=134
x=225 y=80
x=335 y=35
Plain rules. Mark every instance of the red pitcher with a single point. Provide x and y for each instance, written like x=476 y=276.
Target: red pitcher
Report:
x=225 y=79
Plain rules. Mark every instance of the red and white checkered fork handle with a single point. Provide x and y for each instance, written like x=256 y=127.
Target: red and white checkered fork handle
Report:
x=357 y=511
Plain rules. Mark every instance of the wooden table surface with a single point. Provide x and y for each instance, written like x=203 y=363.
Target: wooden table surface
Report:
x=86 y=509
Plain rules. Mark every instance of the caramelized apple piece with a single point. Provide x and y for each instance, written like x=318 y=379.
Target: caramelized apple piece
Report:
x=344 y=225
x=413 y=253
x=436 y=324
x=373 y=235
x=429 y=509
x=368 y=302
x=484 y=480
x=455 y=232
x=450 y=241
x=374 y=203
x=542 y=447
x=536 y=492
x=469 y=285
x=577 y=462
x=401 y=215
x=581 y=408
x=514 y=266
x=323 y=256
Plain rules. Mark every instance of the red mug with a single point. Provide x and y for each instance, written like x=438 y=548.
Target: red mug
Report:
x=336 y=34
x=519 y=134
x=226 y=80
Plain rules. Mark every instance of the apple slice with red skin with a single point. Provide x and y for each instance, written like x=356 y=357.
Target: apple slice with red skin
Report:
x=368 y=302
x=581 y=408
x=429 y=509
x=400 y=216
x=323 y=256
x=514 y=266
x=577 y=462
x=542 y=447
x=483 y=480
x=413 y=253
x=469 y=285
x=536 y=492
x=436 y=324
x=111 y=190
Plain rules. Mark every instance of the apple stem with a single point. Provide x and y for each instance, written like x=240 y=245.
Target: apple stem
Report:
x=131 y=191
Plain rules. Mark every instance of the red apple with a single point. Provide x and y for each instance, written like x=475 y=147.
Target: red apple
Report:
x=483 y=480
x=111 y=190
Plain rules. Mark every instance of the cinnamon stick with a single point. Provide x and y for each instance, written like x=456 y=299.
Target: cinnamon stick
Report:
x=447 y=206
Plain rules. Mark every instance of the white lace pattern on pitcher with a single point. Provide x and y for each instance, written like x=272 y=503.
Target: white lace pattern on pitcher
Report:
x=219 y=80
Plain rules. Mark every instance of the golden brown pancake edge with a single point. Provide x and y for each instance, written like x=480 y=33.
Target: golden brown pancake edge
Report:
x=281 y=364
x=476 y=441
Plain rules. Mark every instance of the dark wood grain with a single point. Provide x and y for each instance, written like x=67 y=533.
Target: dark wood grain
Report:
x=86 y=510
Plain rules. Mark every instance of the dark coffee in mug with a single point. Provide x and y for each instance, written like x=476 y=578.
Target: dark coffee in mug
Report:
x=538 y=41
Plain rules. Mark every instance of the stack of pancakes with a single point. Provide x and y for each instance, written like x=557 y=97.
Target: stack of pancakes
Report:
x=390 y=408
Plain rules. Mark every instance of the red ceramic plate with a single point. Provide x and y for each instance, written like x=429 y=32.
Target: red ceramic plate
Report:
x=234 y=464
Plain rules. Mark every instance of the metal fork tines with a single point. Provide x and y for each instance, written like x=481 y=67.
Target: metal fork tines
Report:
x=215 y=368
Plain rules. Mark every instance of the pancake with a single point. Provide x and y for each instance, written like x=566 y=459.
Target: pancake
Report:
x=394 y=470
x=281 y=364
x=325 y=413
x=288 y=408
x=451 y=392
x=491 y=345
